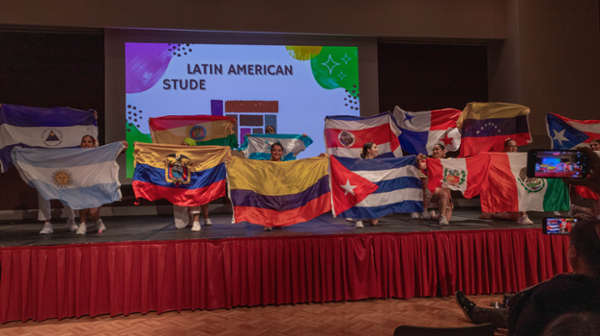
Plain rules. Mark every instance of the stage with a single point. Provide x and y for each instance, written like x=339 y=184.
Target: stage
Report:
x=144 y=263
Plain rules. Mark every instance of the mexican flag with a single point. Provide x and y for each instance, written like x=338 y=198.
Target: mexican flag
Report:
x=510 y=190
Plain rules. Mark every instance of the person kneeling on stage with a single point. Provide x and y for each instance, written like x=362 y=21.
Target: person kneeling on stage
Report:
x=369 y=151
x=532 y=310
x=441 y=196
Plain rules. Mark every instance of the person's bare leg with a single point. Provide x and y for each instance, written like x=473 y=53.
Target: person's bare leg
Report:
x=195 y=217
x=374 y=221
x=83 y=215
x=94 y=214
x=204 y=209
x=507 y=216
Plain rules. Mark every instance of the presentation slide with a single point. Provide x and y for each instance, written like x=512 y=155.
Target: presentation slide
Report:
x=291 y=88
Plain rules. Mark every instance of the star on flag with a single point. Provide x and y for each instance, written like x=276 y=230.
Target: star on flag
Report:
x=348 y=188
x=446 y=140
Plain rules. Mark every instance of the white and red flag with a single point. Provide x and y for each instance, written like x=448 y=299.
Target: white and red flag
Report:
x=423 y=130
x=469 y=175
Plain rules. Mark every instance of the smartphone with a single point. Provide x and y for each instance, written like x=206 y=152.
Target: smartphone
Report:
x=557 y=164
x=558 y=225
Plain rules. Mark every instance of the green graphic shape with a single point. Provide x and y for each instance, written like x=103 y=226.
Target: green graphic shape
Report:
x=133 y=136
x=337 y=67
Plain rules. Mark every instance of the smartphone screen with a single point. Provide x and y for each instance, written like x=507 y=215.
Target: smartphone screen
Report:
x=558 y=225
x=557 y=164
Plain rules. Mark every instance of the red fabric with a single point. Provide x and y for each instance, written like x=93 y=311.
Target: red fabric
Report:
x=586 y=193
x=474 y=145
x=44 y=282
x=342 y=198
x=501 y=194
x=180 y=196
x=378 y=134
x=176 y=121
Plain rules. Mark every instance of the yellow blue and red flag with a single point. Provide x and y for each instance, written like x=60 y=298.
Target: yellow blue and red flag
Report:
x=204 y=130
x=184 y=175
x=278 y=193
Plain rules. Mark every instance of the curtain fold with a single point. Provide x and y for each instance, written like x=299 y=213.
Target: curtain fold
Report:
x=39 y=283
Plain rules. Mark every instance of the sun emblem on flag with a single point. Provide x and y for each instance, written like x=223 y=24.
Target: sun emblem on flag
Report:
x=177 y=169
x=346 y=138
x=531 y=184
x=454 y=177
x=62 y=178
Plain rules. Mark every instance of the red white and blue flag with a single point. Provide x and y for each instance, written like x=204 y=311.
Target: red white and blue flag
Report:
x=423 y=130
x=346 y=135
x=568 y=133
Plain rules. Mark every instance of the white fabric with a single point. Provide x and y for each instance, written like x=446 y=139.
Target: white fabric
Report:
x=45 y=209
x=33 y=136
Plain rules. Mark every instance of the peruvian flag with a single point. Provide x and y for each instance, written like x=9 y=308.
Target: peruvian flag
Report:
x=423 y=130
x=469 y=175
x=346 y=135
x=568 y=133
x=347 y=188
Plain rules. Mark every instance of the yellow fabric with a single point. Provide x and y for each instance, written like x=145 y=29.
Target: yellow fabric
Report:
x=214 y=130
x=275 y=178
x=202 y=157
x=491 y=110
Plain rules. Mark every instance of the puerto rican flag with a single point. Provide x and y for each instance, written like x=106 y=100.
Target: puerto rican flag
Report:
x=423 y=130
x=346 y=135
x=568 y=133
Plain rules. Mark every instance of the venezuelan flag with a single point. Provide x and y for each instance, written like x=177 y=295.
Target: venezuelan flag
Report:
x=184 y=175
x=278 y=193
x=485 y=126
x=205 y=130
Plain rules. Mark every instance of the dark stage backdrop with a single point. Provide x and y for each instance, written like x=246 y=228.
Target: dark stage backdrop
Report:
x=48 y=70
x=420 y=77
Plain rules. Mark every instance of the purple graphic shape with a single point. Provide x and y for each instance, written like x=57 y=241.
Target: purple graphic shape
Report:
x=145 y=63
x=216 y=107
x=258 y=131
x=243 y=132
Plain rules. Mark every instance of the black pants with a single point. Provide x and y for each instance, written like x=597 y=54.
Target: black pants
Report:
x=495 y=316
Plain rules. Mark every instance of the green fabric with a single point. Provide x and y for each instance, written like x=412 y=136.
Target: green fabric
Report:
x=556 y=197
x=230 y=140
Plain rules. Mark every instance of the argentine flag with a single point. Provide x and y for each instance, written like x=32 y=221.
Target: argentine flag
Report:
x=79 y=177
x=58 y=127
x=258 y=146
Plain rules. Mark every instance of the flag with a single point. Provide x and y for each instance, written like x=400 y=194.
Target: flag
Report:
x=468 y=175
x=568 y=133
x=205 y=130
x=399 y=189
x=510 y=190
x=423 y=130
x=184 y=175
x=258 y=146
x=485 y=126
x=278 y=193
x=58 y=127
x=82 y=178
x=346 y=135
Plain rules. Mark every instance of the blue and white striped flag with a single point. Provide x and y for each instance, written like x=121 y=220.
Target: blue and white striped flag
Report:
x=26 y=126
x=399 y=188
x=258 y=146
x=79 y=177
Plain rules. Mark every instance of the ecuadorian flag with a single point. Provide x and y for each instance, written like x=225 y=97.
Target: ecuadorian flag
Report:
x=278 y=193
x=205 y=130
x=184 y=175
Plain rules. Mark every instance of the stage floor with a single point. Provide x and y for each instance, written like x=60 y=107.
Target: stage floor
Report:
x=153 y=228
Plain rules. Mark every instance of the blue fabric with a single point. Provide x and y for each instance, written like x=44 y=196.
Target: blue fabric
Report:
x=575 y=136
x=25 y=116
x=413 y=142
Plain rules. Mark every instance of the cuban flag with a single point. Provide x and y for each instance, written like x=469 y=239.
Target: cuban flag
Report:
x=346 y=135
x=568 y=133
x=369 y=189
x=58 y=127
x=258 y=146
x=423 y=130
x=82 y=178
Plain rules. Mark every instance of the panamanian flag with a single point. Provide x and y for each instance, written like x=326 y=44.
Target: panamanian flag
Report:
x=58 y=127
x=423 y=130
x=568 y=133
x=369 y=189
x=346 y=135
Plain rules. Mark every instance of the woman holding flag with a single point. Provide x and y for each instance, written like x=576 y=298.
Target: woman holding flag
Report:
x=441 y=196
x=369 y=151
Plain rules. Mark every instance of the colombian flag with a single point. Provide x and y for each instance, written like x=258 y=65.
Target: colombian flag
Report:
x=278 y=193
x=485 y=126
x=205 y=130
x=184 y=175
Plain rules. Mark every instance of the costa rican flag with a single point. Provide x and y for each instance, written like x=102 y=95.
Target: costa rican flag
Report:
x=346 y=135
x=423 y=130
x=568 y=133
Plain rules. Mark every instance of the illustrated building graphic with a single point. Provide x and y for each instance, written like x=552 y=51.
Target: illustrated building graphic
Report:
x=252 y=116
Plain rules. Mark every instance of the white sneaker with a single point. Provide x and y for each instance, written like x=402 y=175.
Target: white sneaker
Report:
x=524 y=220
x=349 y=220
x=414 y=215
x=556 y=213
x=268 y=228
x=196 y=226
x=100 y=226
x=426 y=215
x=207 y=222
x=443 y=221
x=82 y=229
x=47 y=229
x=571 y=210
x=359 y=225
x=71 y=225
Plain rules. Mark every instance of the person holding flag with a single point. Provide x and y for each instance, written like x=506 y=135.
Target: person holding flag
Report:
x=369 y=151
x=441 y=195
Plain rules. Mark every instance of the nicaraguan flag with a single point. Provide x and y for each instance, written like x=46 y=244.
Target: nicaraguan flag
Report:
x=423 y=130
x=82 y=178
x=568 y=133
x=368 y=189
x=58 y=127
x=258 y=146
x=346 y=135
